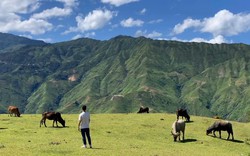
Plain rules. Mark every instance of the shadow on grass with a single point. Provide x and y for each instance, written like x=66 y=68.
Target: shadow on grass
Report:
x=236 y=141
x=95 y=148
x=57 y=127
x=189 y=121
x=188 y=140
x=3 y=128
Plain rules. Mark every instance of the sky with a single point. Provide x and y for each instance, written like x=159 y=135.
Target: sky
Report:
x=211 y=21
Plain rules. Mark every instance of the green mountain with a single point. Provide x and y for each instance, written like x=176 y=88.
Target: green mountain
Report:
x=9 y=42
x=120 y=74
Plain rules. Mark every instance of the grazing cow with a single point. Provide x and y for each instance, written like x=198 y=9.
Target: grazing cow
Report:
x=183 y=113
x=143 y=110
x=13 y=110
x=178 y=127
x=221 y=126
x=55 y=116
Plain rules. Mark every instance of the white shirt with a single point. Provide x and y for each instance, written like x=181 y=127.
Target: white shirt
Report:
x=84 y=117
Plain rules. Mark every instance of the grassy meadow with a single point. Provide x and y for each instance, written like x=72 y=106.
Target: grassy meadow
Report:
x=118 y=134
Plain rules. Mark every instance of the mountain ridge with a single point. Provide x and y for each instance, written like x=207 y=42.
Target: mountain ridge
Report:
x=120 y=74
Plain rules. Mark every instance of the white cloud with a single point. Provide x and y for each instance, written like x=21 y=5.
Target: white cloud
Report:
x=143 y=11
x=77 y=37
x=12 y=20
x=54 y=12
x=32 y=26
x=226 y=23
x=187 y=23
x=130 y=22
x=155 y=21
x=94 y=20
x=69 y=3
x=223 y=23
x=18 y=6
x=218 y=39
x=118 y=3
x=153 y=34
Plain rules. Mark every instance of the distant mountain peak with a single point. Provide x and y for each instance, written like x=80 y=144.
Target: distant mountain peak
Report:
x=7 y=41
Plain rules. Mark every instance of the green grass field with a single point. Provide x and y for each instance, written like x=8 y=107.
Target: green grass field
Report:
x=118 y=134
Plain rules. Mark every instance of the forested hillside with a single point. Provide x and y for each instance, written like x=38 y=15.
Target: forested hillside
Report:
x=120 y=74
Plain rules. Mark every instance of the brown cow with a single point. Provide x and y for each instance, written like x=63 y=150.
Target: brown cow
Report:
x=55 y=116
x=221 y=126
x=13 y=110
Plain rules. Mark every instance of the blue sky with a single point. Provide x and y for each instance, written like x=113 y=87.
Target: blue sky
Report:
x=212 y=21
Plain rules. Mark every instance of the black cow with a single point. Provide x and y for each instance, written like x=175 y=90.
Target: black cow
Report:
x=143 y=110
x=221 y=126
x=55 y=116
x=183 y=113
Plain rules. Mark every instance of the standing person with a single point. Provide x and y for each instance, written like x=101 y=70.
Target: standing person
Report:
x=83 y=126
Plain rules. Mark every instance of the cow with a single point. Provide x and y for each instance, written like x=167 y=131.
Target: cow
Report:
x=183 y=113
x=55 y=116
x=178 y=127
x=143 y=110
x=221 y=126
x=13 y=110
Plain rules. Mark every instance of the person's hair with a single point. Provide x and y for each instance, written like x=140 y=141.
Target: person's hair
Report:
x=84 y=107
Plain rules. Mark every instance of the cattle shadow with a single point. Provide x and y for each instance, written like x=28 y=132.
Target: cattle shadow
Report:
x=59 y=127
x=188 y=140
x=189 y=121
x=95 y=148
x=3 y=128
x=235 y=140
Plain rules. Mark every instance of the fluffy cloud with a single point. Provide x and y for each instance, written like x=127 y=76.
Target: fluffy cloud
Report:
x=18 y=6
x=187 y=23
x=223 y=23
x=227 y=23
x=69 y=3
x=130 y=22
x=218 y=39
x=118 y=2
x=33 y=26
x=54 y=12
x=93 y=21
x=12 y=21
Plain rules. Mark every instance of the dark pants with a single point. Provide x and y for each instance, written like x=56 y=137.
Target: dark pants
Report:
x=86 y=131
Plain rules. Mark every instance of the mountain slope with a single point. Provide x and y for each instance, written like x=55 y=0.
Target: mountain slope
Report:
x=9 y=42
x=120 y=74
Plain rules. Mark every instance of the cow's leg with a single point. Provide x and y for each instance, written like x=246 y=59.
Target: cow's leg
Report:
x=214 y=133
x=228 y=135
x=177 y=117
x=44 y=122
x=41 y=122
x=220 y=133
x=183 y=133
x=53 y=123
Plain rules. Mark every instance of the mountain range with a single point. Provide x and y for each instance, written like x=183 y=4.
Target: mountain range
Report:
x=123 y=73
